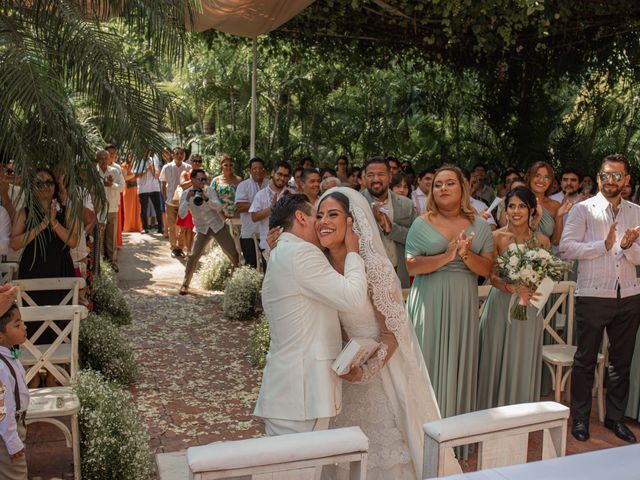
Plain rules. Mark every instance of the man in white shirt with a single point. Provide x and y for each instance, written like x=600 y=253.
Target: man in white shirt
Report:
x=302 y=294
x=602 y=234
x=245 y=193
x=112 y=181
x=266 y=198
x=170 y=179
x=147 y=171
x=420 y=195
x=205 y=207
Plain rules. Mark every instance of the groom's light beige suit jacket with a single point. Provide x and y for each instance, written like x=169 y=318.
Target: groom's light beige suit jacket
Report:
x=301 y=296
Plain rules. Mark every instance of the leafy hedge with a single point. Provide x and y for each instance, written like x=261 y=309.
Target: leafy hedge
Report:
x=259 y=342
x=215 y=270
x=114 y=443
x=103 y=347
x=241 y=294
x=107 y=297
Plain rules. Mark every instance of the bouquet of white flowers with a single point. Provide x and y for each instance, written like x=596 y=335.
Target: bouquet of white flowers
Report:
x=527 y=266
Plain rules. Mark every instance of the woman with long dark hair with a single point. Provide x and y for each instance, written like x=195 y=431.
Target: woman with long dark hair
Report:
x=510 y=365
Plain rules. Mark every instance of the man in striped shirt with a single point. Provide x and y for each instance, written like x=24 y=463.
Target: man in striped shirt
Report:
x=602 y=234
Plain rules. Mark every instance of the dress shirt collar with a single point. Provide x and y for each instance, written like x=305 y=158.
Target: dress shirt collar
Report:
x=6 y=352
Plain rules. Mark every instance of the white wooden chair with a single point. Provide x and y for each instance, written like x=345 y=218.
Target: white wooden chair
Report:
x=63 y=350
x=72 y=285
x=7 y=272
x=234 y=225
x=50 y=404
x=558 y=357
x=285 y=457
x=502 y=434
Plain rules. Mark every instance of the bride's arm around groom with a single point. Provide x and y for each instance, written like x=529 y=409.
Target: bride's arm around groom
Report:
x=301 y=295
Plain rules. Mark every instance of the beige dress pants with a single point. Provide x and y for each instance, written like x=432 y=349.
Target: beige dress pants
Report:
x=175 y=232
x=15 y=469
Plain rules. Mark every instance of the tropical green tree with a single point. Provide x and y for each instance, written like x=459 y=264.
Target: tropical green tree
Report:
x=68 y=84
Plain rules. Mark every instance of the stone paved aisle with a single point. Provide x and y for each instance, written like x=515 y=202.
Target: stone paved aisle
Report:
x=195 y=385
x=195 y=382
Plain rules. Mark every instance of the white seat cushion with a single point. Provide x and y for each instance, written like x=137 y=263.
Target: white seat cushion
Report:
x=274 y=450
x=559 y=354
x=52 y=402
x=562 y=354
x=494 y=419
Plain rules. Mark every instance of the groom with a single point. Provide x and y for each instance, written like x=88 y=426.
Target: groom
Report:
x=302 y=295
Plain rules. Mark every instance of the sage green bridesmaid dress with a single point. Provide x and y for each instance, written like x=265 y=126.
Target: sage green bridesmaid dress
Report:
x=510 y=354
x=443 y=307
x=633 y=405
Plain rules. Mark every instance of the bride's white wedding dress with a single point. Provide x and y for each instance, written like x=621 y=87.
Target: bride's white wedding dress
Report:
x=396 y=398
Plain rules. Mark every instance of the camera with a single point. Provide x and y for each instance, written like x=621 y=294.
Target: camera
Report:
x=197 y=197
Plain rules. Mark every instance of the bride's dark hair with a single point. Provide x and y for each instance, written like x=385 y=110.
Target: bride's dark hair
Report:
x=339 y=197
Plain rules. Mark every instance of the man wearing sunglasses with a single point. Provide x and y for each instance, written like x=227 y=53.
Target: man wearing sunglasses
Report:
x=201 y=200
x=602 y=234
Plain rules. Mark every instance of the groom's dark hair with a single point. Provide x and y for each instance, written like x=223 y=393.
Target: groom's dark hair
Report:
x=284 y=211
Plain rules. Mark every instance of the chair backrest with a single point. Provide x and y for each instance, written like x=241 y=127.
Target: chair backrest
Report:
x=70 y=284
x=7 y=272
x=564 y=303
x=64 y=346
x=234 y=225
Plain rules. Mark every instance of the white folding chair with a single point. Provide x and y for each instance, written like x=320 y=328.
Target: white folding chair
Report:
x=71 y=285
x=558 y=357
x=7 y=272
x=234 y=228
x=502 y=434
x=49 y=404
x=293 y=456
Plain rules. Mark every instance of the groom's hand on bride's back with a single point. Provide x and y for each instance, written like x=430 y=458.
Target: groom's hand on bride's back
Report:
x=351 y=240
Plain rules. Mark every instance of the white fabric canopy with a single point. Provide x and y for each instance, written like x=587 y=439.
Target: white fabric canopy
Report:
x=246 y=18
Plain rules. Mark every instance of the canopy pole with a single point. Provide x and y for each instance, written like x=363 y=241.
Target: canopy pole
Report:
x=254 y=98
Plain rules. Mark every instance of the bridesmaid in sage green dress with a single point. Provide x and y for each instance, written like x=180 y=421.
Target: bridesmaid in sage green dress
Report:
x=447 y=248
x=633 y=405
x=540 y=179
x=510 y=364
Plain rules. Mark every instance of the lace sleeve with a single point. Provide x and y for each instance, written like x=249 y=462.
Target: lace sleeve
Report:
x=372 y=366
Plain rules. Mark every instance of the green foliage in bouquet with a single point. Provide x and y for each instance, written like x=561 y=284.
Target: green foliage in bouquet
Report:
x=241 y=294
x=103 y=347
x=259 y=342
x=215 y=270
x=114 y=443
x=108 y=298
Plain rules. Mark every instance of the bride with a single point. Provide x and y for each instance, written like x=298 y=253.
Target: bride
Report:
x=390 y=397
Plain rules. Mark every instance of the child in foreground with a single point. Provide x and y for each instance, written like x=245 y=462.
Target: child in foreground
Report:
x=14 y=396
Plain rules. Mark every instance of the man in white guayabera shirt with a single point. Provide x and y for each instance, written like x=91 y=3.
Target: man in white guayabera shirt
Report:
x=602 y=234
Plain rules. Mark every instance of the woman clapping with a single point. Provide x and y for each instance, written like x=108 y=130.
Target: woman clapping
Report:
x=447 y=248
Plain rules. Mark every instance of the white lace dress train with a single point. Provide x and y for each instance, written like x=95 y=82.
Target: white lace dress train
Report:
x=390 y=409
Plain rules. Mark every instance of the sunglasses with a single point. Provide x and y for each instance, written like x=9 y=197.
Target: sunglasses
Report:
x=605 y=176
x=46 y=184
x=196 y=161
x=200 y=179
